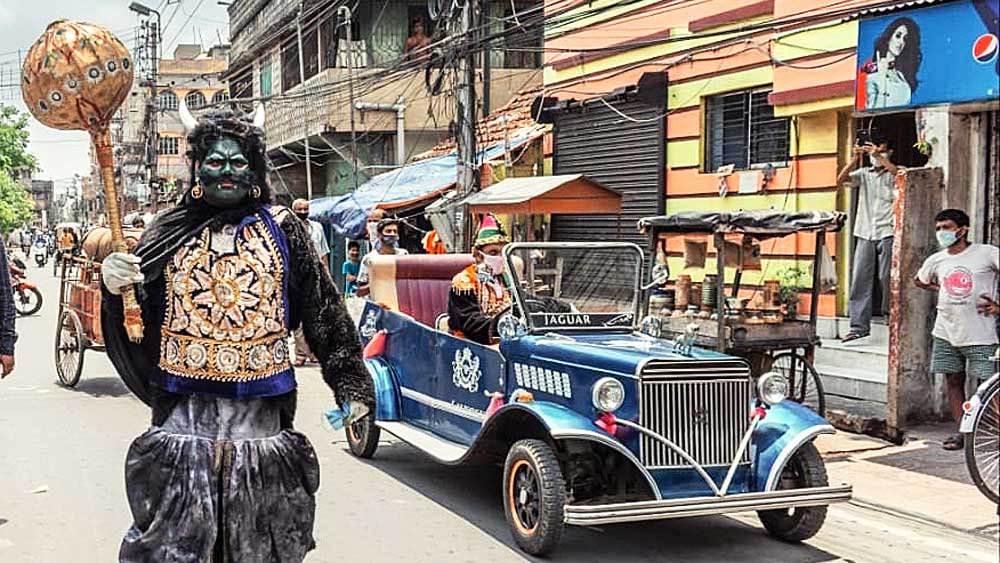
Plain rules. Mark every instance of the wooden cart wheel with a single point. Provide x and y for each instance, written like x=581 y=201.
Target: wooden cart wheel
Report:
x=70 y=345
x=804 y=385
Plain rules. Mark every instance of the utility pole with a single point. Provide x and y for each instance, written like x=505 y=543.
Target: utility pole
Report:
x=345 y=12
x=487 y=59
x=466 y=116
x=152 y=48
x=305 y=111
x=154 y=102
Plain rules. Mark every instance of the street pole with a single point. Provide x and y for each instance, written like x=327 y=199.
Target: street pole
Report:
x=487 y=60
x=305 y=119
x=154 y=180
x=346 y=13
x=466 y=115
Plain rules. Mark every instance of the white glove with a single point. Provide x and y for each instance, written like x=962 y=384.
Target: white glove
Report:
x=356 y=411
x=120 y=270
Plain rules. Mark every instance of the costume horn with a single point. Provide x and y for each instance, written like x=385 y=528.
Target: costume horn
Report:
x=186 y=118
x=258 y=116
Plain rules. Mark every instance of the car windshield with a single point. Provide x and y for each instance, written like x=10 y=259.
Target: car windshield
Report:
x=570 y=286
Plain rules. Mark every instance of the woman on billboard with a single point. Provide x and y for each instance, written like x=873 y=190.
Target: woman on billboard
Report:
x=890 y=76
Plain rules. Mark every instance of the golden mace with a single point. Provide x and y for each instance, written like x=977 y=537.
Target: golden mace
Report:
x=75 y=77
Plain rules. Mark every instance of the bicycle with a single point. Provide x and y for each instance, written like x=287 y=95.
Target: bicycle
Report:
x=981 y=425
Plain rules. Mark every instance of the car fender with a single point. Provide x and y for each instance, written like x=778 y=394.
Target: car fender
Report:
x=562 y=423
x=386 y=389
x=786 y=427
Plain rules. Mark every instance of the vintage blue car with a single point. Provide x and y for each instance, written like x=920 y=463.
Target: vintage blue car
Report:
x=594 y=420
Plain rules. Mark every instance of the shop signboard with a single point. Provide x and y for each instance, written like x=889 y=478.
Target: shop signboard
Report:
x=941 y=54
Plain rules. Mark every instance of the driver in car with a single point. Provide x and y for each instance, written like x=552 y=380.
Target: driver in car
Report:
x=479 y=293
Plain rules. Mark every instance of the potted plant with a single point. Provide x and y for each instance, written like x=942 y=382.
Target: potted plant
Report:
x=790 y=280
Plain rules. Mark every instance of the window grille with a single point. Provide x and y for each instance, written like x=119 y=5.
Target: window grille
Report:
x=741 y=130
x=169 y=146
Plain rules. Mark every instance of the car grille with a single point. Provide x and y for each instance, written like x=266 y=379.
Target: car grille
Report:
x=702 y=406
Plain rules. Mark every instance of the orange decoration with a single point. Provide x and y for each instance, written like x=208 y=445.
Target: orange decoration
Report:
x=75 y=77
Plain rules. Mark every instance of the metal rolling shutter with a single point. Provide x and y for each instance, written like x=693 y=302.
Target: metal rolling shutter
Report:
x=624 y=155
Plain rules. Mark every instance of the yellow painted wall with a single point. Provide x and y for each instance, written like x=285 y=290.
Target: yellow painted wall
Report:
x=810 y=41
x=688 y=94
x=681 y=154
x=810 y=199
x=814 y=134
x=770 y=268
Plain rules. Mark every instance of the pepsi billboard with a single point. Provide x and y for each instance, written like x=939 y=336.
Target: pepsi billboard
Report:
x=942 y=54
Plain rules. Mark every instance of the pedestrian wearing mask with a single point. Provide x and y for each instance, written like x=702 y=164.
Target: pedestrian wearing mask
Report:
x=300 y=207
x=873 y=230
x=964 y=275
x=388 y=245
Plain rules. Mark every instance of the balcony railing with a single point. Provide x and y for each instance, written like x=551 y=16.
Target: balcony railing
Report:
x=329 y=113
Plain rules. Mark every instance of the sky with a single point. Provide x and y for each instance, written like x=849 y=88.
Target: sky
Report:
x=61 y=154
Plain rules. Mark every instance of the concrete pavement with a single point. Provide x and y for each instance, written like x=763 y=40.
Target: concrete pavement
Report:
x=62 y=491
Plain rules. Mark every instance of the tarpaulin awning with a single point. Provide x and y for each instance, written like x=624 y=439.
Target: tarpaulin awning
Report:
x=762 y=223
x=412 y=183
x=570 y=193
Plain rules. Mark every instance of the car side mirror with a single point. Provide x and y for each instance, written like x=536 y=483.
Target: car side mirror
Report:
x=510 y=326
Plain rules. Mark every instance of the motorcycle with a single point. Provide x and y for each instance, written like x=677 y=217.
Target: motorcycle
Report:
x=27 y=297
x=40 y=253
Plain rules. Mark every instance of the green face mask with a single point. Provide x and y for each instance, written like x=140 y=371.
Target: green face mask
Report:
x=225 y=174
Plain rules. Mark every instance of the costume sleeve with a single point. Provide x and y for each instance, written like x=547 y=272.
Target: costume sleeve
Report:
x=464 y=315
x=8 y=336
x=316 y=306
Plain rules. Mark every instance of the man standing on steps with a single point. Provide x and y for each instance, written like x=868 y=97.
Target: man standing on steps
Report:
x=965 y=332
x=873 y=229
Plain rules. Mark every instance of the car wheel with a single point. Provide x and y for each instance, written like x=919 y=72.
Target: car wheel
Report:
x=805 y=469
x=534 y=495
x=363 y=436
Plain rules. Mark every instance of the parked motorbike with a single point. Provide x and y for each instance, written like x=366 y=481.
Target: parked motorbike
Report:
x=27 y=297
x=40 y=252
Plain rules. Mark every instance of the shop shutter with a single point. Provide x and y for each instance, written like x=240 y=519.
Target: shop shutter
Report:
x=595 y=140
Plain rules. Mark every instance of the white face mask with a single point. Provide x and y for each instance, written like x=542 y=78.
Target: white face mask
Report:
x=372 y=228
x=495 y=263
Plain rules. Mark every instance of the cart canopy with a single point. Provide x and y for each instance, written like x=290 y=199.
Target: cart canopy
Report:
x=761 y=224
x=571 y=193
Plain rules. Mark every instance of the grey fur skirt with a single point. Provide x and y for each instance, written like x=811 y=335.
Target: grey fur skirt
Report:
x=220 y=482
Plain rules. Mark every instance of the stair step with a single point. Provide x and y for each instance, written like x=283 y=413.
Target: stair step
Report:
x=835 y=328
x=853 y=383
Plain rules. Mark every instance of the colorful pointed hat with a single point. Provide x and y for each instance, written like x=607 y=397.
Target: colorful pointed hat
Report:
x=490 y=232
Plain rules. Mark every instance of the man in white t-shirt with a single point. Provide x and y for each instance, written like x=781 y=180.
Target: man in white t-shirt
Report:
x=965 y=331
x=387 y=243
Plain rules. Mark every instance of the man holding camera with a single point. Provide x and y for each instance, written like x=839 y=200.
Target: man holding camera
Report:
x=873 y=230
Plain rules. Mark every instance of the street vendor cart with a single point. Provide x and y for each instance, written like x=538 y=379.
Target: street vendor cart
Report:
x=755 y=328
x=79 y=326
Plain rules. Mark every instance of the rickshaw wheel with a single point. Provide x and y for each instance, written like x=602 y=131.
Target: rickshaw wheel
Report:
x=534 y=496
x=70 y=345
x=804 y=385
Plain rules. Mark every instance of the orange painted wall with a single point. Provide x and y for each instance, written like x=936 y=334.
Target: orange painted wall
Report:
x=806 y=173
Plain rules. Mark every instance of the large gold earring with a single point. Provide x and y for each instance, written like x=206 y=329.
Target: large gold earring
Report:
x=197 y=191
x=255 y=192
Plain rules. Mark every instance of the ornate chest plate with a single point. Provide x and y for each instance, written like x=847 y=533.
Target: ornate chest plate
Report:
x=225 y=318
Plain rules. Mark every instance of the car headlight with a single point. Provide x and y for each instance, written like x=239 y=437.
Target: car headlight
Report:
x=772 y=388
x=608 y=394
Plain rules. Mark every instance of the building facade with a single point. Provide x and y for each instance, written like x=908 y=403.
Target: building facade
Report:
x=392 y=87
x=757 y=102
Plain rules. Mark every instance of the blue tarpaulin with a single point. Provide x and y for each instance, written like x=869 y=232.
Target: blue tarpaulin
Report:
x=413 y=182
